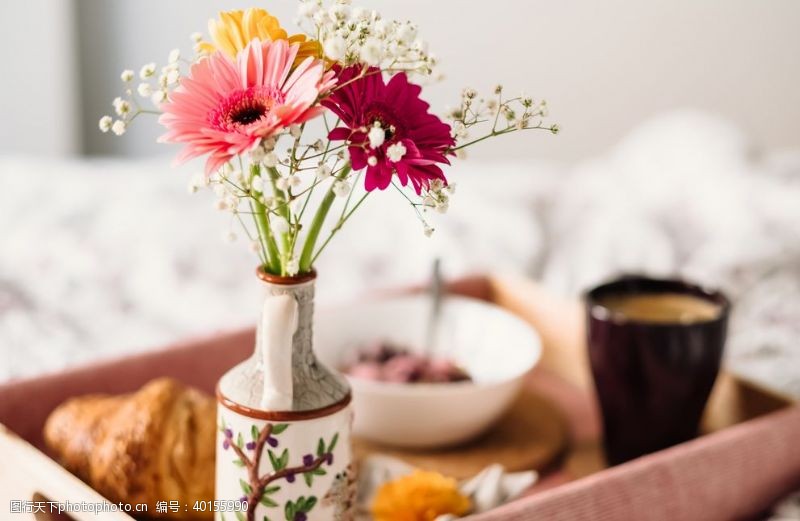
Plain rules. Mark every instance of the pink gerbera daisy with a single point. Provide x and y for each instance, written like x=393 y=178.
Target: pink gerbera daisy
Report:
x=389 y=129
x=224 y=108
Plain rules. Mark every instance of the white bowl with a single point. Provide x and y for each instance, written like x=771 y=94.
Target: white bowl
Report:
x=495 y=347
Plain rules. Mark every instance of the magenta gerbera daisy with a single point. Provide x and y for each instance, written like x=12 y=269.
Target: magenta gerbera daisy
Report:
x=224 y=109
x=388 y=129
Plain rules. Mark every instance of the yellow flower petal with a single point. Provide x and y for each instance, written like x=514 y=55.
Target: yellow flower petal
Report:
x=234 y=30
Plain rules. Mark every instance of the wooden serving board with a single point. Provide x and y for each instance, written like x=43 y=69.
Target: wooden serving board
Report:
x=530 y=436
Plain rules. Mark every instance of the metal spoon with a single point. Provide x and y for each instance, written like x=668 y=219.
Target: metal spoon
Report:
x=436 y=293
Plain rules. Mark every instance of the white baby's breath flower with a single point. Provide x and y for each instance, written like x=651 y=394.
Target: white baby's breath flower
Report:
x=295 y=131
x=231 y=236
x=174 y=55
x=459 y=129
x=453 y=112
x=145 y=90
x=196 y=37
x=358 y=13
x=436 y=185
x=395 y=152
x=119 y=127
x=461 y=154
x=282 y=184
x=147 y=71
x=268 y=144
x=406 y=32
x=428 y=231
x=121 y=107
x=280 y=225
x=339 y=11
x=105 y=123
x=381 y=28
x=321 y=19
x=335 y=48
x=222 y=204
x=159 y=96
x=371 y=51
x=197 y=181
x=341 y=188
x=173 y=76
x=269 y=201
x=292 y=267
x=376 y=135
x=293 y=181
x=257 y=184
x=270 y=159
x=257 y=154
x=237 y=176
x=429 y=201
x=323 y=172
x=307 y=8
x=126 y=76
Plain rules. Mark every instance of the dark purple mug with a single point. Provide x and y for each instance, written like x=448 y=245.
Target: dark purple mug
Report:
x=653 y=377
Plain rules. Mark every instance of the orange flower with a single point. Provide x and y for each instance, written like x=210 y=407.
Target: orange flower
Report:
x=235 y=29
x=419 y=496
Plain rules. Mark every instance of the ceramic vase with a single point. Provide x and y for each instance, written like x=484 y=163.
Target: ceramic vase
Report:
x=284 y=420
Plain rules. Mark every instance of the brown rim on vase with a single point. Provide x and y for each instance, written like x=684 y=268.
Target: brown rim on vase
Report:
x=285 y=280
x=283 y=415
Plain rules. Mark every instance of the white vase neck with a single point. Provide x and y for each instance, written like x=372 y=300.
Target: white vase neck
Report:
x=314 y=386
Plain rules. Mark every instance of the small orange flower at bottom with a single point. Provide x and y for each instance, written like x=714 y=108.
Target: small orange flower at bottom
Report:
x=419 y=496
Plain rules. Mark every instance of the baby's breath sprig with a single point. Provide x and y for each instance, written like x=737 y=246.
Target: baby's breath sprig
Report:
x=351 y=34
x=149 y=87
x=506 y=115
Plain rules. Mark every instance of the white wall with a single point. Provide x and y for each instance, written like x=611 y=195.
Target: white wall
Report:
x=38 y=113
x=603 y=66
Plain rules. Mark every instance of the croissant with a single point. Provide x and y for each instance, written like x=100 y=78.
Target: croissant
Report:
x=153 y=445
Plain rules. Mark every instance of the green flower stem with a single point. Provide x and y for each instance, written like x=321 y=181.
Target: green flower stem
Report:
x=343 y=219
x=307 y=256
x=270 y=249
x=262 y=222
x=283 y=210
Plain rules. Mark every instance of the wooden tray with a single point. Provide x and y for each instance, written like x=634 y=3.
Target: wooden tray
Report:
x=531 y=436
x=561 y=383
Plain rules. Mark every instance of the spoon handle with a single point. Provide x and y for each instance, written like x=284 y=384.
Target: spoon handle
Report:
x=436 y=294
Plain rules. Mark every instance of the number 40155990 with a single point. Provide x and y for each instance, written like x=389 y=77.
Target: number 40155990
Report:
x=220 y=505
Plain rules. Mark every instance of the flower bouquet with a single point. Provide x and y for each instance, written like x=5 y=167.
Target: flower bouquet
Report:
x=291 y=127
x=278 y=117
